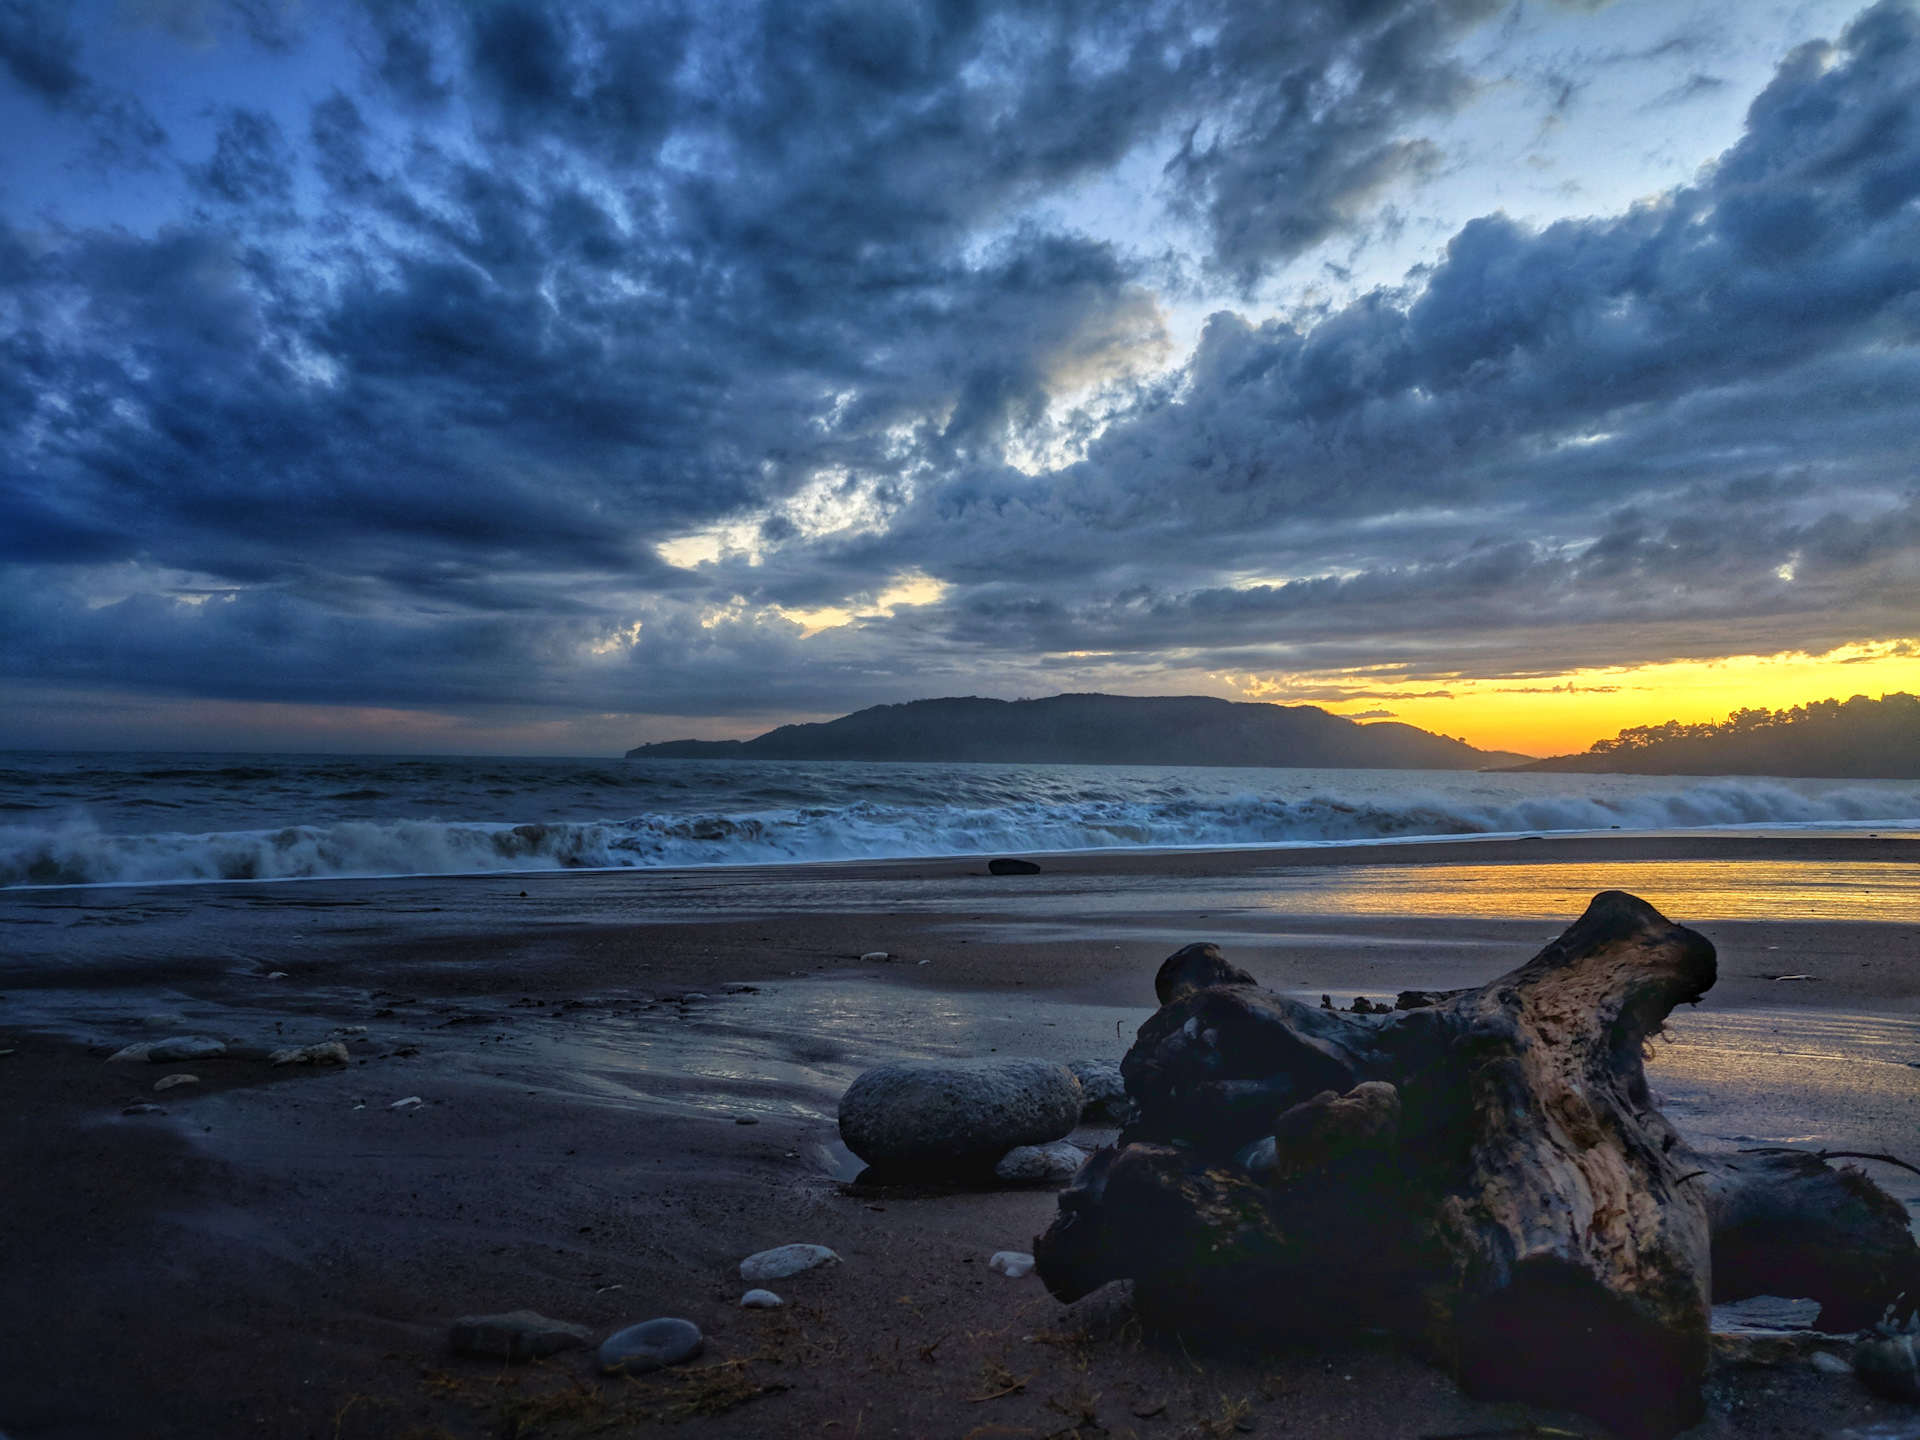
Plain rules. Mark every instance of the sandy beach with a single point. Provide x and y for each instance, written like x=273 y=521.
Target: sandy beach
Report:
x=627 y=1083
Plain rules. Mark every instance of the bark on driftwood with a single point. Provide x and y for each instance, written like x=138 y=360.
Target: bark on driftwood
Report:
x=1486 y=1176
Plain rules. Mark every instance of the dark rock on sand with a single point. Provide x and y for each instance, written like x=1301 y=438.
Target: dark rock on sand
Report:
x=953 y=1117
x=1012 y=867
x=1890 y=1365
x=517 y=1335
x=650 y=1345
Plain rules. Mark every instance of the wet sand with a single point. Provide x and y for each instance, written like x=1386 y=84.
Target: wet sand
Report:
x=280 y=1253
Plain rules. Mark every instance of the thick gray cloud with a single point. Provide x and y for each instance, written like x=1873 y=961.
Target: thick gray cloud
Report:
x=398 y=404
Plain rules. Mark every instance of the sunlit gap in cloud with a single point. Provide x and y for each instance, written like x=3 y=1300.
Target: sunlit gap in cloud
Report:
x=1565 y=712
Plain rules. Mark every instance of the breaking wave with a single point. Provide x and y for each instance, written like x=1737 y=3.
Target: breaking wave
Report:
x=75 y=851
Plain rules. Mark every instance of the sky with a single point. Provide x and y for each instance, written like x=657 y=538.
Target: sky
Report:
x=549 y=378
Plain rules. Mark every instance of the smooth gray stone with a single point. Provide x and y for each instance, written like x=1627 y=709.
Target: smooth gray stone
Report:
x=957 y=1116
x=650 y=1346
x=761 y=1300
x=1032 y=1163
x=516 y=1335
x=782 y=1261
x=1103 y=1092
x=1890 y=1365
x=1014 y=1264
x=184 y=1047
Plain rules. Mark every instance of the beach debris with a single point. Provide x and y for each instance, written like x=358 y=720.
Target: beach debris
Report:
x=411 y=1102
x=1103 y=1094
x=1014 y=1264
x=1033 y=1163
x=650 y=1345
x=1296 y=1171
x=144 y=1109
x=1890 y=1364
x=874 y=957
x=784 y=1260
x=168 y=1082
x=1012 y=867
x=950 y=1118
x=328 y=1052
x=760 y=1300
x=516 y=1336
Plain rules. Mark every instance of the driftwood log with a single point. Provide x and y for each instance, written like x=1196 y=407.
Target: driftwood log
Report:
x=1484 y=1174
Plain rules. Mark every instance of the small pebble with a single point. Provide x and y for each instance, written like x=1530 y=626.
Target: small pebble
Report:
x=1013 y=1264
x=167 y=1082
x=782 y=1261
x=745 y=1120
x=1829 y=1363
x=277 y=975
x=650 y=1346
x=406 y=1104
x=760 y=1300
x=691 y=995
x=874 y=957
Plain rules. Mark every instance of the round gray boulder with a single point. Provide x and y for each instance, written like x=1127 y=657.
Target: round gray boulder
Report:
x=952 y=1117
x=651 y=1345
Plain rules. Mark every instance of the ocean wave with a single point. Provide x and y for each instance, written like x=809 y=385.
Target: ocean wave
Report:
x=76 y=852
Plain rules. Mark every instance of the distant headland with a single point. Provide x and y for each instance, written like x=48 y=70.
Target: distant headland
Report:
x=1100 y=730
x=1857 y=739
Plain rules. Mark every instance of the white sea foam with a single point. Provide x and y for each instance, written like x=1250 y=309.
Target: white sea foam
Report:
x=76 y=851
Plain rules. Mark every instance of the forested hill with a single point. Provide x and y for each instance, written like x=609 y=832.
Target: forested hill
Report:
x=1099 y=730
x=1824 y=739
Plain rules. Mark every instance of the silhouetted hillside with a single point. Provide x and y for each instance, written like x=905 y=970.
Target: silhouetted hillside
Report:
x=1825 y=739
x=1098 y=730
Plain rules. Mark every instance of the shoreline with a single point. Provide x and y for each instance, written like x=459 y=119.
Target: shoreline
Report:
x=628 y=1082
x=1892 y=841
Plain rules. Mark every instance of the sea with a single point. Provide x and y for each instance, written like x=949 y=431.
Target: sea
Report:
x=89 y=819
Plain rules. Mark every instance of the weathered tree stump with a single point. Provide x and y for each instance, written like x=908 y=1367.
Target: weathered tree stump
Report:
x=1486 y=1175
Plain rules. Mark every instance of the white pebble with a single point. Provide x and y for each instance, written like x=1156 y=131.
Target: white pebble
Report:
x=760 y=1300
x=873 y=957
x=1011 y=1263
x=406 y=1104
x=167 y=1082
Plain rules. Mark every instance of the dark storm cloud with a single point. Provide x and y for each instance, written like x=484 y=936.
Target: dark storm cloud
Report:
x=398 y=404
x=41 y=54
x=1698 y=357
